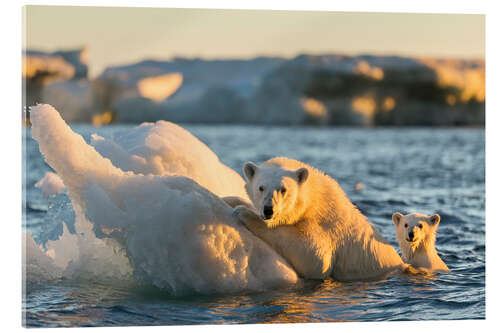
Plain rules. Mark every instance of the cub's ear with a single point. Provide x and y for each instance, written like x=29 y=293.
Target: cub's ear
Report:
x=302 y=175
x=249 y=170
x=435 y=219
x=396 y=218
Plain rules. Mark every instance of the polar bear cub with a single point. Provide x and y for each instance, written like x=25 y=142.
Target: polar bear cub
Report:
x=306 y=217
x=416 y=235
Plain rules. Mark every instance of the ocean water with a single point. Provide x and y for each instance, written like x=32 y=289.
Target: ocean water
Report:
x=401 y=169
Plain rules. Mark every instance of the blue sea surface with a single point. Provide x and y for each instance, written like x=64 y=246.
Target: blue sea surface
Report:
x=427 y=170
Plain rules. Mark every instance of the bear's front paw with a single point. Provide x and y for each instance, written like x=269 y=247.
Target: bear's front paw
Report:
x=243 y=214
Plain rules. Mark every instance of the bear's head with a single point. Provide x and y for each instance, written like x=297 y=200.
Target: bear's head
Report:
x=275 y=192
x=414 y=230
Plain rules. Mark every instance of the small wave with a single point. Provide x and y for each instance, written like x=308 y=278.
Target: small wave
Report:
x=37 y=209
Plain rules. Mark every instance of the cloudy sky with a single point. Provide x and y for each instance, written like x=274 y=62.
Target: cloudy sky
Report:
x=117 y=36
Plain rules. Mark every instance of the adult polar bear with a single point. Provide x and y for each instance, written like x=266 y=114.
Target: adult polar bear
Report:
x=306 y=217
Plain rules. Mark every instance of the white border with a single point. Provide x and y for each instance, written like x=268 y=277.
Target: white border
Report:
x=11 y=149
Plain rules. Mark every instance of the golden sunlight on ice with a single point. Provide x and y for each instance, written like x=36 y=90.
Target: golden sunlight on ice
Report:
x=388 y=104
x=364 y=105
x=454 y=73
x=102 y=118
x=364 y=68
x=39 y=64
x=158 y=88
x=313 y=107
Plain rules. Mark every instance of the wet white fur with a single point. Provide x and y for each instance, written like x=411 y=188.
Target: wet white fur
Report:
x=314 y=225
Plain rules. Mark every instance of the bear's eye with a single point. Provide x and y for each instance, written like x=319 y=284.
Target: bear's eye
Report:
x=261 y=188
x=283 y=190
x=406 y=225
x=420 y=226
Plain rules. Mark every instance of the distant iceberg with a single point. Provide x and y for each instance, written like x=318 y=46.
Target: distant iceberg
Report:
x=330 y=89
x=60 y=77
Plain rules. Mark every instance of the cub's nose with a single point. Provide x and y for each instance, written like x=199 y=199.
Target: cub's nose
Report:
x=268 y=212
x=411 y=235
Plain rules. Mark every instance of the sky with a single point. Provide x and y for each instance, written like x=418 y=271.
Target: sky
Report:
x=118 y=36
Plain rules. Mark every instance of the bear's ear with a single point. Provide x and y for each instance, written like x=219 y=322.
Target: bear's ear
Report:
x=249 y=170
x=302 y=175
x=396 y=218
x=435 y=219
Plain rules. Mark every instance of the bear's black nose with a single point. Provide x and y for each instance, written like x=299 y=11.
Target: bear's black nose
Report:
x=268 y=212
x=411 y=235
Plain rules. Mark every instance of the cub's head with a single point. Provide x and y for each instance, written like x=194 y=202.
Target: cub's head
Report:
x=416 y=229
x=275 y=192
